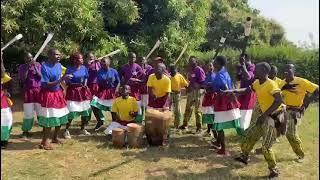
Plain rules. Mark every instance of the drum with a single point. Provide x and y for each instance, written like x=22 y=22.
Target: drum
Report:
x=118 y=137
x=135 y=133
x=157 y=126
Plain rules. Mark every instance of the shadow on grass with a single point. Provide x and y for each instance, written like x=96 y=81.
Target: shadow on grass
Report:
x=103 y=171
x=22 y=145
x=184 y=173
x=190 y=148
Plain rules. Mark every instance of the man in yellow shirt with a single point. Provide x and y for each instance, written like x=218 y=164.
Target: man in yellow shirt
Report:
x=177 y=83
x=124 y=109
x=159 y=88
x=296 y=101
x=270 y=101
x=273 y=75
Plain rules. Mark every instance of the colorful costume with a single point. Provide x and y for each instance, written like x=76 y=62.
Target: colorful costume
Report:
x=248 y=100
x=294 y=101
x=93 y=69
x=108 y=80
x=160 y=88
x=267 y=129
x=196 y=76
x=226 y=108
x=123 y=108
x=53 y=110
x=6 y=113
x=177 y=83
x=78 y=96
x=31 y=88
x=207 y=108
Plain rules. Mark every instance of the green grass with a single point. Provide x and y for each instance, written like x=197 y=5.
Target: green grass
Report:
x=187 y=157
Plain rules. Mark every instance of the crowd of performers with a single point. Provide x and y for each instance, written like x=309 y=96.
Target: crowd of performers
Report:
x=92 y=86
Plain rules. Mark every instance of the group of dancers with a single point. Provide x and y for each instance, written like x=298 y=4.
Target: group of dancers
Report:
x=57 y=95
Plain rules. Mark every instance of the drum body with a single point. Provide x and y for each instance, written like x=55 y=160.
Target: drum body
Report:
x=135 y=134
x=118 y=137
x=157 y=126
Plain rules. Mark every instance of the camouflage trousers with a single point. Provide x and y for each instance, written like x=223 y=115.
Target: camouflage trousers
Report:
x=176 y=98
x=294 y=117
x=268 y=132
x=193 y=101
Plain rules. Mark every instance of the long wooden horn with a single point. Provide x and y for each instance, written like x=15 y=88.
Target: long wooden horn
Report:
x=154 y=48
x=111 y=54
x=49 y=37
x=16 y=38
x=183 y=50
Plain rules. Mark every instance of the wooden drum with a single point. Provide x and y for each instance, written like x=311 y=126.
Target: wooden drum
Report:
x=157 y=126
x=135 y=133
x=118 y=137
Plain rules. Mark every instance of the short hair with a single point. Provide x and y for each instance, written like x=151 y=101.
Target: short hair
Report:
x=131 y=54
x=246 y=56
x=193 y=57
x=51 y=51
x=274 y=68
x=75 y=55
x=162 y=65
x=88 y=53
x=123 y=86
x=265 y=66
x=222 y=60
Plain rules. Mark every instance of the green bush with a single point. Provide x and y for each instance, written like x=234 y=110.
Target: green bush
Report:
x=306 y=61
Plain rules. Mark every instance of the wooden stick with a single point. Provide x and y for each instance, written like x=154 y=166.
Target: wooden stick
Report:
x=111 y=54
x=154 y=48
x=16 y=38
x=183 y=50
x=49 y=37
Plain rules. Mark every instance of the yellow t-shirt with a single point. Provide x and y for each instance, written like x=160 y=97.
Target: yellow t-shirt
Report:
x=178 y=82
x=265 y=93
x=123 y=107
x=296 y=98
x=278 y=81
x=159 y=87
x=6 y=78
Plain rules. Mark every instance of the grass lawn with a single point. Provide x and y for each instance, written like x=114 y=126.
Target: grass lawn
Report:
x=187 y=157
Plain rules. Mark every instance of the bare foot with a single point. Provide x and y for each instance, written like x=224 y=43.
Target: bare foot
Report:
x=45 y=146
x=56 y=141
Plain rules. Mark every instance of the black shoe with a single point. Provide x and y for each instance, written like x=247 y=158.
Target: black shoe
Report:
x=273 y=173
x=98 y=126
x=242 y=159
x=4 y=144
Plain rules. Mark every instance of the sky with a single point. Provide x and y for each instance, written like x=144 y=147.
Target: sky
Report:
x=298 y=17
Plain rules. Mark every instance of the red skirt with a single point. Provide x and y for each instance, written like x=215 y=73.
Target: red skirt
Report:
x=208 y=99
x=247 y=100
x=52 y=99
x=144 y=89
x=105 y=94
x=135 y=91
x=32 y=95
x=159 y=102
x=4 y=100
x=78 y=93
x=94 y=88
x=224 y=102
